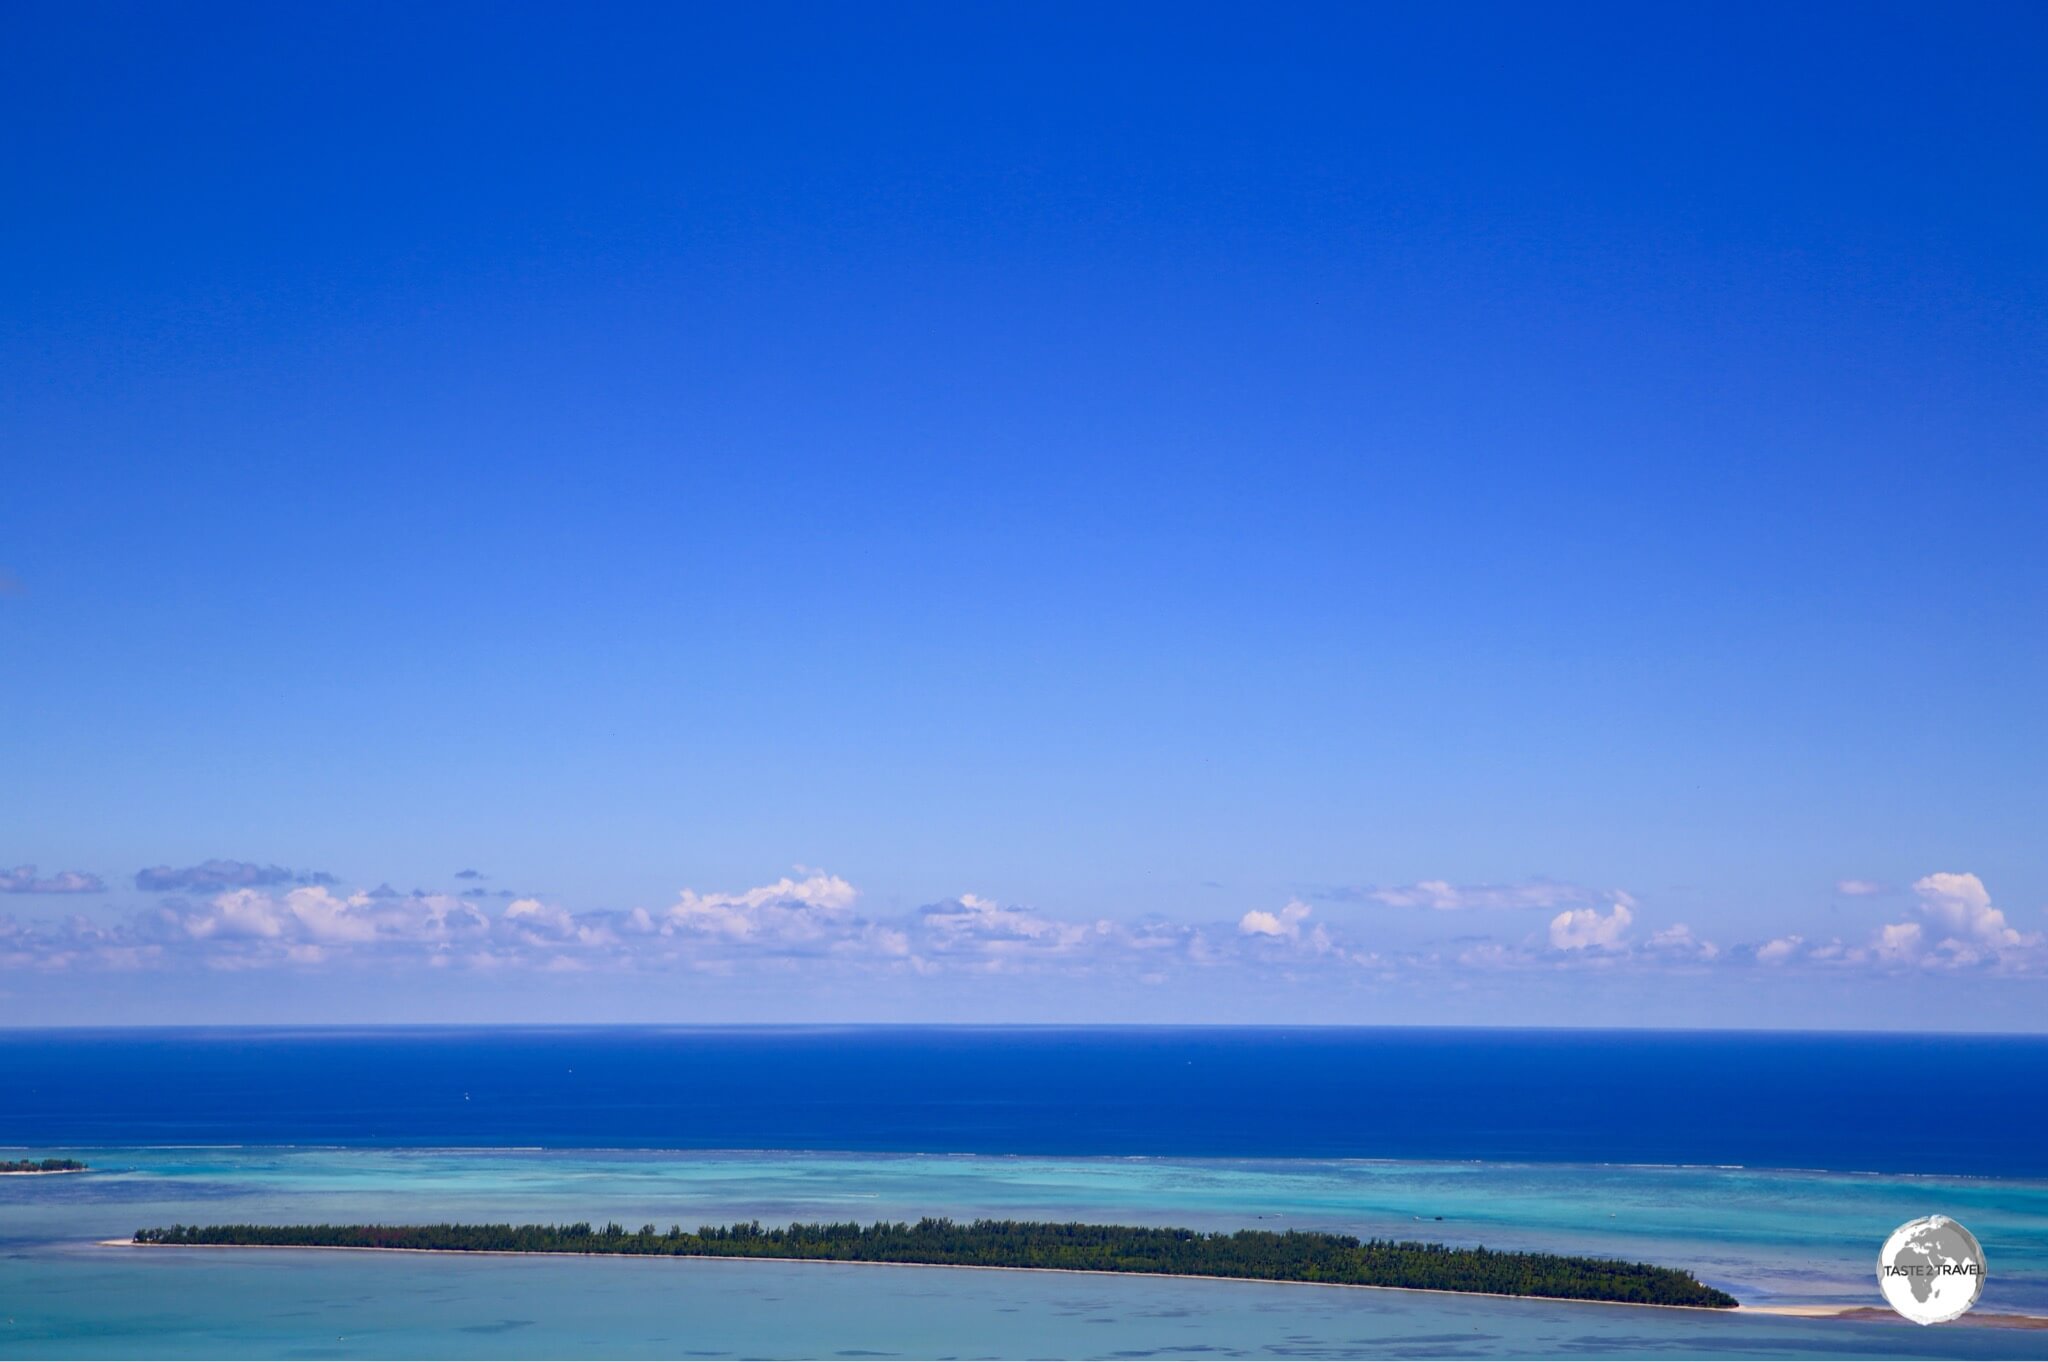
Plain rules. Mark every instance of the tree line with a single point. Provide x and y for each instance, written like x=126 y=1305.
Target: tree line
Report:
x=1263 y=1255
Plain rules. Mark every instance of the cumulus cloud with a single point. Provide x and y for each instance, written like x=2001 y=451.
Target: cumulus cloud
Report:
x=1677 y=942
x=537 y=923
x=1962 y=904
x=1285 y=924
x=817 y=917
x=976 y=932
x=1956 y=926
x=1444 y=896
x=211 y=876
x=471 y=875
x=247 y=926
x=24 y=880
x=1899 y=941
x=1588 y=929
x=790 y=914
x=1287 y=937
x=306 y=922
x=1779 y=949
x=986 y=924
x=813 y=920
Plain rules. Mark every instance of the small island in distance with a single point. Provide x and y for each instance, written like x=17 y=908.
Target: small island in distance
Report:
x=1255 y=1255
x=17 y=1166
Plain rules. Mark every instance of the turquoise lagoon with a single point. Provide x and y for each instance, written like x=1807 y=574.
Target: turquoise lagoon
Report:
x=1769 y=1236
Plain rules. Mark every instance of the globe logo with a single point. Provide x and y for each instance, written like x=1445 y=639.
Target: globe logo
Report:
x=1931 y=1270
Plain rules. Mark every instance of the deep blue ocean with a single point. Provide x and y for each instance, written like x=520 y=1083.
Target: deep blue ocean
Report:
x=1973 y=1105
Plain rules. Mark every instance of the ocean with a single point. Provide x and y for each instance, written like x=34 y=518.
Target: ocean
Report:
x=1787 y=1101
x=1770 y=1165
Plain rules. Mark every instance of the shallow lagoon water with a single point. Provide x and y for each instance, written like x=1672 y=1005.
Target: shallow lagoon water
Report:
x=287 y=1304
x=1767 y=1236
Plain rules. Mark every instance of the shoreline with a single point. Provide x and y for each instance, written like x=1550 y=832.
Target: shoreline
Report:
x=1880 y=1314
x=41 y=1172
x=942 y=1267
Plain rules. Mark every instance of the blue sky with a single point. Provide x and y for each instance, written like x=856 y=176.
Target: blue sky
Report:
x=1025 y=513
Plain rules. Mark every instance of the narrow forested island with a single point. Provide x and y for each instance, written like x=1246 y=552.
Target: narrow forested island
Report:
x=1260 y=1255
x=41 y=1166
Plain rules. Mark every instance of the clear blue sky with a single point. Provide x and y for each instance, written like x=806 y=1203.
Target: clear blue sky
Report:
x=1138 y=470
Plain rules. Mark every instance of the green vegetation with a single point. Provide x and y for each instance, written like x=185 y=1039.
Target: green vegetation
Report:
x=41 y=1166
x=1262 y=1255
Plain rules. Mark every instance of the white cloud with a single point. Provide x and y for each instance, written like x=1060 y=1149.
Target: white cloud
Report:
x=1963 y=905
x=790 y=913
x=985 y=924
x=1678 y=942
x=1588 y=929
x=243 y=913
x=816 y=918
x=1899 y=941
x=975 y=932
x=1285 y=924
x=1957 y=928
x=1778 y=950
x=1288 y=938
x=323 y=916
x=1857 y=889
x=537 y=923
x=811 y=919
x=316 y=916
